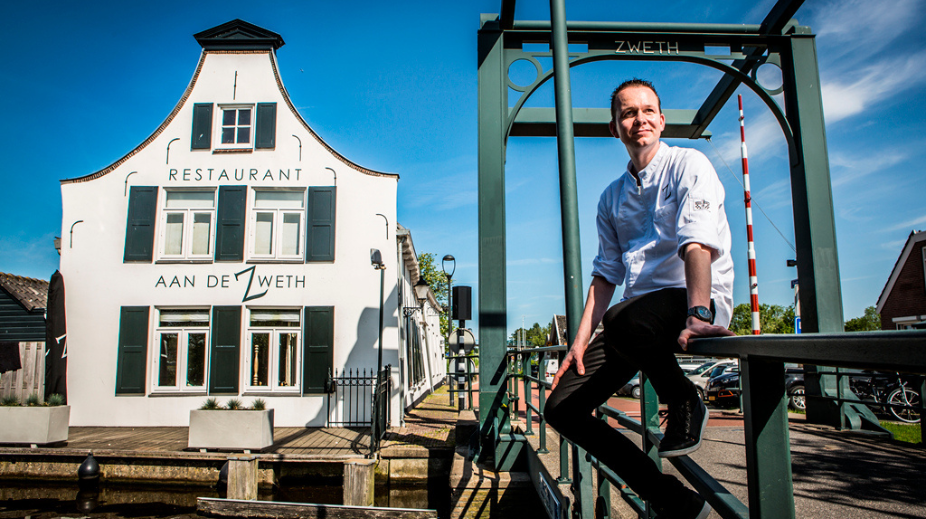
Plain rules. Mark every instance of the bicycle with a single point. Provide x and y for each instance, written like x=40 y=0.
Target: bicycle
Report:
x=877 y=389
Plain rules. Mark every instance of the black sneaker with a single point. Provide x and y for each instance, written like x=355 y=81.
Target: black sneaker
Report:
x=689 y=506
x=684 y=429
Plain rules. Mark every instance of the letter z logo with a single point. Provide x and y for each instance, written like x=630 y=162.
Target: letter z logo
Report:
x=247 y=291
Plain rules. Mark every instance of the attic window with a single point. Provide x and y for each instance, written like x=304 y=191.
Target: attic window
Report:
x=235 y=126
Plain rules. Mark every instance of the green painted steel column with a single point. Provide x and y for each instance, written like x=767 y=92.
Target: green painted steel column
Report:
x=768 y=454
x=811 y=192
x=569 y=209
x=565 y=142
x=814 y=223
x=493 y=104
x=649 y=419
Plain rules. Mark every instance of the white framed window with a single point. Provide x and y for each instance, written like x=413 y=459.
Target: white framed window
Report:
x=277 y=226
x=181 y=356
x=273 y=360
x=235 y=127
x=187 y=224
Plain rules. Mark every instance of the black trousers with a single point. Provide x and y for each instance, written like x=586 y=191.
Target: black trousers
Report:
x=639 y=334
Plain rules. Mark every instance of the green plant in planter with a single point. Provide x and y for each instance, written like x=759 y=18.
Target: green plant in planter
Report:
x=259 y=405
x=233 y=404
x=55 y=399
x=211 y=404
x=9 y=401
x=33 y=400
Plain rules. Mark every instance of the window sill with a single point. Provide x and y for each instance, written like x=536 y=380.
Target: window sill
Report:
x=200 y=393
x=270 y=393
x=231 y=150
x=276 y=261
x=183 y=262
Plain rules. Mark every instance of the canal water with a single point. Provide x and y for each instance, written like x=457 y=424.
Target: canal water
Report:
x=41 y=500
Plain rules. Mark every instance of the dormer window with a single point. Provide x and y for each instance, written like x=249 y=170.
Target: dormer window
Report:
x=235 y=128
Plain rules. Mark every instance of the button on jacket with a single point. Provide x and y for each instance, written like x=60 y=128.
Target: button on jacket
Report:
x=642 y=228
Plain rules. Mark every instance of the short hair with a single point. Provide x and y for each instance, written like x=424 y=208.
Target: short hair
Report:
x=630 y=83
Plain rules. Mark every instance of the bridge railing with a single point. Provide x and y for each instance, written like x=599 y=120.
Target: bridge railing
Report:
x=521 y=382
x=768 y=458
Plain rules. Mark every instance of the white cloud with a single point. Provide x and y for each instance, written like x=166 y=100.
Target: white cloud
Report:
x=842 y=99
x=909 y=224
x=534 y=261
x=763 y=137
x=893 y=246
x=844 y=32
x=846 y=168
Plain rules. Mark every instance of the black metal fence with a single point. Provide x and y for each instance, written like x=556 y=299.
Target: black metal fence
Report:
x=360 y=398
x=380 y=421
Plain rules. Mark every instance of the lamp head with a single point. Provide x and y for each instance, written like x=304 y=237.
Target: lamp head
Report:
x=376 y=258
x=421 y=289
x=453 y=265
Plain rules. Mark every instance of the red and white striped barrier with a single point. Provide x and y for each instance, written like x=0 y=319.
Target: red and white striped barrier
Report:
x=753 y=279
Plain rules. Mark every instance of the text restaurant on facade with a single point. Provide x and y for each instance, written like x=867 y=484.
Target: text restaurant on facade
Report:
x=229 y=255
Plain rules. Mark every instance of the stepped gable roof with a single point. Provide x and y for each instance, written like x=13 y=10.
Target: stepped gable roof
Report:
x=31 y=293
x=239 y=35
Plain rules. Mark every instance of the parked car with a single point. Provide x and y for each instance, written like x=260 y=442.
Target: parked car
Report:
x=631 y=388
x=690 y=364
x=724 y=390
x=700 y=378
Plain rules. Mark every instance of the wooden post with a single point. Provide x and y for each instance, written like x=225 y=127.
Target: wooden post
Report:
x=242 y=477
x=358 y=482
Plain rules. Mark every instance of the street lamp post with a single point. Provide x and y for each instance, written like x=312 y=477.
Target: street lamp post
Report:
x=453 y=267
x=376 y=258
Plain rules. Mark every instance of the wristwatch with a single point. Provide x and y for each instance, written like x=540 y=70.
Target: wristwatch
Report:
x=701 y=312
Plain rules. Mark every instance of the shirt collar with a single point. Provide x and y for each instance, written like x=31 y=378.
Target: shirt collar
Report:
x=653 y=165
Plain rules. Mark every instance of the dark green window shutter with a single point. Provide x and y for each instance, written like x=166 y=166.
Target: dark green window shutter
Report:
x=202 y=126
x=320 y=229
x=229 y=231
x=266 y=125
x=132 y=359
x=139 y=229
x=317 y=348
x=226 y=340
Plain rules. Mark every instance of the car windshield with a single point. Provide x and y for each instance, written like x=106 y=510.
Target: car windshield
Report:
x=701 y=369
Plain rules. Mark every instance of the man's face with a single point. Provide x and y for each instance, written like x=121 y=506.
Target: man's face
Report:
x=637 y=120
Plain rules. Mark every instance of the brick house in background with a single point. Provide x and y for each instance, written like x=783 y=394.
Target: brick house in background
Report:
x=902 y=303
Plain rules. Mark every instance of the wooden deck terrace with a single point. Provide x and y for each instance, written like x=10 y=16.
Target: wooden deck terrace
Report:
x=410 y=452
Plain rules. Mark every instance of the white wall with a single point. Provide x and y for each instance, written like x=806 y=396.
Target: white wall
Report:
x=99 y=283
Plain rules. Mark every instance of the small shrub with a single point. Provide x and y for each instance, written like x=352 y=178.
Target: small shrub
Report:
x=55 y=399
x=259 y=405
x=33 y=400
x=210 y=404
x=233 y=404
x=9 y=401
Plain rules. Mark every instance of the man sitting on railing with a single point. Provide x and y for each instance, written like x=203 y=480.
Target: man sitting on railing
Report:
x=662 y=231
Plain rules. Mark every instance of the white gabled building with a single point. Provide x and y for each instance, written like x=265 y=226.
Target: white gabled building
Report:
x=229 y=255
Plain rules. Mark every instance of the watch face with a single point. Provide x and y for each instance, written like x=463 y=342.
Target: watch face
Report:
x=701 y=313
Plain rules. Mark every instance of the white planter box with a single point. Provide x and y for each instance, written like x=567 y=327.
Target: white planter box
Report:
x=231 y=430
x=34 y=425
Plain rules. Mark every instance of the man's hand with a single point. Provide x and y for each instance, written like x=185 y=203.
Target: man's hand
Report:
x=695 y=327
x=573 y=357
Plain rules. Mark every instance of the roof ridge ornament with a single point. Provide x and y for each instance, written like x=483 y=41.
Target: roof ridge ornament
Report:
x=238 y=35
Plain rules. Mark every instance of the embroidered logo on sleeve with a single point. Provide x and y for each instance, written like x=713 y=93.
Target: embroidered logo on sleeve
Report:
x=701 y=205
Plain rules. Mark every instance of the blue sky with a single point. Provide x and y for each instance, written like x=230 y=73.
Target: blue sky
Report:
x=392 y=86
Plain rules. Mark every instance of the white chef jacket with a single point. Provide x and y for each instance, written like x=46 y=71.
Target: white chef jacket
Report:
x=643 y=228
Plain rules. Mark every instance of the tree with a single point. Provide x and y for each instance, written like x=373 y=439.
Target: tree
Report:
x=869 y=322
x=437 y=280
x=772 y=319
x=534 y=337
